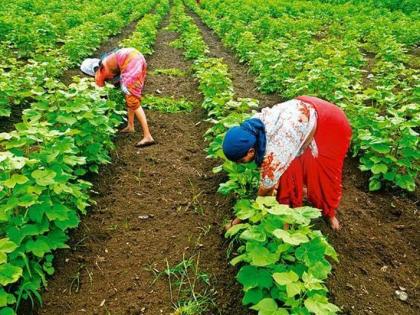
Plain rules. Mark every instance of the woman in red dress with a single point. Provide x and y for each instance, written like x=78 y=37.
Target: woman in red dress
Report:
x=300 y=146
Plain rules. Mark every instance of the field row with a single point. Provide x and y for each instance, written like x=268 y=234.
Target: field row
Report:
x=66 y=133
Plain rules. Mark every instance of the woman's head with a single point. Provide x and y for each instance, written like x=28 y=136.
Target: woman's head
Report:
x=246 y=142
x=238 y=143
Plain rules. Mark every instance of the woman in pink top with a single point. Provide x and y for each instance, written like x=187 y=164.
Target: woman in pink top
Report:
x=126 y=67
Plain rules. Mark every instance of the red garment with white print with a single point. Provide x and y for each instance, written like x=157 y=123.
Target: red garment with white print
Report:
x=321 y=174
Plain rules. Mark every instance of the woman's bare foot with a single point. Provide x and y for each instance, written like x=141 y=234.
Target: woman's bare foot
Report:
x=146 y=141
x=232 y=223
x=128 y=129
x=335 y=224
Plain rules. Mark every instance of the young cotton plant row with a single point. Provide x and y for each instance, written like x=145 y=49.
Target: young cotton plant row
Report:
x=66 y=133
x=144 y=36
x=21 y=81
x=282 y=270
x=294 y=55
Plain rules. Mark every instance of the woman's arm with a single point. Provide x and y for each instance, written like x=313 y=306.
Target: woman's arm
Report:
x=262 y=191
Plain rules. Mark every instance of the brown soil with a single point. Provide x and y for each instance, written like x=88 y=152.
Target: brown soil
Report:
x=114 y=250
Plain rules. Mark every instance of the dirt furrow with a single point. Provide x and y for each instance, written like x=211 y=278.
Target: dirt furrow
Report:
x=153 y=205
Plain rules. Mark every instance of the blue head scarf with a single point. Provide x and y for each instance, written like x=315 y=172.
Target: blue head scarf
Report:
x=238 y=140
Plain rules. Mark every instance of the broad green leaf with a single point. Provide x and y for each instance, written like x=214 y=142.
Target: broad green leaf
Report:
x=15 y=179
x=38 y=247
x=311 y=282
x=7 y=311
x=260 y=256
x=9 y=274
x=263 y=202
x=265 y=306
x=236 y=228
x=6 y=298
x=294 y=288
x=57 y=212
x=251 y=277
x=254 y=233
x=294 y=238
x=284 y=278
x=44 y=177
x=244 y=209
x=311 y=252
x=379 y=168
x=380 y=147
x=252 y=296
x=321 y=269
x=6 y=246
x=319 y=305
x=374 y=185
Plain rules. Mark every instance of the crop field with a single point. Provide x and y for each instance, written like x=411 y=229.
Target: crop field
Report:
x=91 y=224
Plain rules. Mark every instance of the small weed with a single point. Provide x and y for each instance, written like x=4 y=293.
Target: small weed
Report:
x=190 y=289
x=167 y=104
x=172 y=72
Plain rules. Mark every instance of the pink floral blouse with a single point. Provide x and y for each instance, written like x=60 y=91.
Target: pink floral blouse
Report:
x=287 y=125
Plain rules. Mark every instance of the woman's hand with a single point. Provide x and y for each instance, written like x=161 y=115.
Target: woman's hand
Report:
x=265 y=191
x=335 y=224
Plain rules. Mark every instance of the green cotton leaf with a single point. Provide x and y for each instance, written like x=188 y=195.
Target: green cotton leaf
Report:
x=252 y=277
x=236 y=228
x=57 y=212
x=254 y=233
x=6 y=298
x=72 y=222
x=312 y=283
x=279 y=209
x=284 y=278
x=321 y=269
x=44 y=177
x=293 y=238
x=57 y=239
x=259 y=255
x=69 y=120
x=312 y=252
x=406 y=182
x=379 y=168
x=6 y=246
x=252 y=296
x=38 y=247
x=15 y=179
x=308 y=212
x=238 y=259
x=36 y=212
x=265 y=306
x=243 y=209
x=380 y=147
x=374 y=185
x=294 y=289
x=263 y=202
x=319 y=305
x=7 y=311
x=9 y=274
